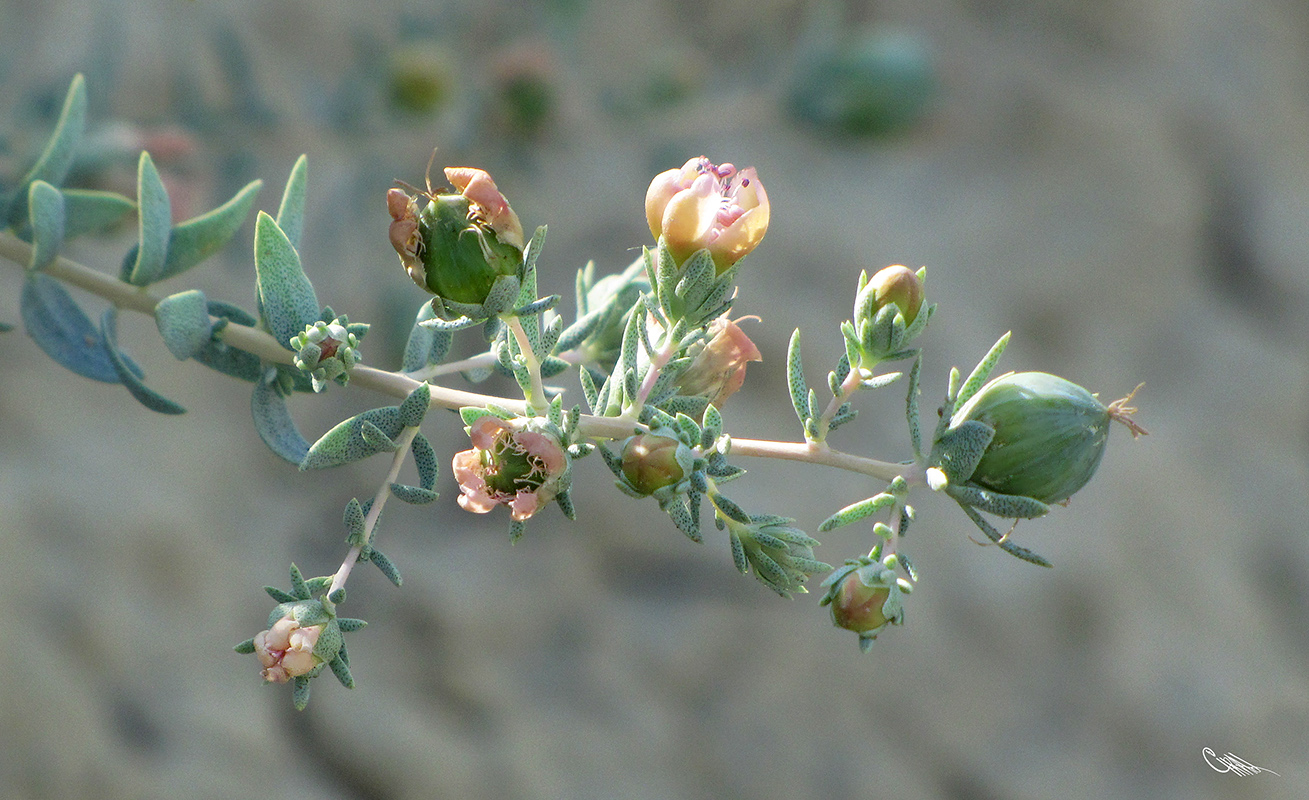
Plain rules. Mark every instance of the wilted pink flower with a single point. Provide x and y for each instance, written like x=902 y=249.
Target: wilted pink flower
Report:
x=405 y=235
x=706 y=205
x=487 y=202
x=509 y=465
x=286 y=650
x=719 y=369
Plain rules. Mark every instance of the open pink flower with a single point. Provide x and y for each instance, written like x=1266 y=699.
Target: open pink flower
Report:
x=719 y=369
x=509 y=465
x=708 y=205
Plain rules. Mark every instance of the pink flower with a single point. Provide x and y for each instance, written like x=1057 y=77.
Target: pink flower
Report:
x=487 y=202
x=286 y=650
x=509 y=465
x=719 y=369
x=404 y=233
x=706 y=205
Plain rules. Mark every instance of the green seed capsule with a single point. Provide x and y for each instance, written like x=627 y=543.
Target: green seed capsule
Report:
x=1050 y=434
x=462 y=258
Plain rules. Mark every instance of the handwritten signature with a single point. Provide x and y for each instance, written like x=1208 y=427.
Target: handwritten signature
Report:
x=1232 y=763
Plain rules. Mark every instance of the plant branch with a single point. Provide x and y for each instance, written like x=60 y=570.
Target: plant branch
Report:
x=536 y=390
x=398 y=385
x=375 y=511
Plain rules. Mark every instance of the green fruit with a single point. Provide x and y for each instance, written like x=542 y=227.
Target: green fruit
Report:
x=462 y=259
x=1050 y=435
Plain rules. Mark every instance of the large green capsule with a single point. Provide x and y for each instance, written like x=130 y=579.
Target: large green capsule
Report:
x=1050 y=434
x=462 y=257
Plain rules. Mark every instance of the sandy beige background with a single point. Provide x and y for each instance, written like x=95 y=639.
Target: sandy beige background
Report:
x=1123 y=184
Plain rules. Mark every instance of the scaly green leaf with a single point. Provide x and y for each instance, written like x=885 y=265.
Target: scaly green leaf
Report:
x=291 y=211
x=154 y=222
x=131 y=379
x=57 y=157
x=183 y=322
x=198 y=238
x=45 y=208
x=286 y=298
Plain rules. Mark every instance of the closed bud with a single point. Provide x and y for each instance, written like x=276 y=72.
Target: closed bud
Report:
x=299 y=641
x=856 y=606
x=327 y=351
x=1050 y=435
x=864 y=597
x=652 y=462
x=895 y=285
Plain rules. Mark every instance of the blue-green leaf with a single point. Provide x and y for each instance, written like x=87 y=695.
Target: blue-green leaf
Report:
x=183 y=322
x=286 y=297
x=130 y=379
x=857 y=511
x=155 y=219
x=385 y=565
x=280 y=595
x=53 y=163
x=45 y=208
x=222 y=357
x=291 y=212
x=413 y=495
x=198 y=238
x=356 y=524
x=795 y=379
x=415 y=406
x=345 y=443
x=424 y=461
x=232 y=313
x=982 y=371
x=1005 y=543
x=274 y=424
x=426 y=345
x=93 y=211
x=59 y=327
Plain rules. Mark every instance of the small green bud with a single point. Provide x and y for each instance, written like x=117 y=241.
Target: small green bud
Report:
x=651 y=462
x=1050 y=435
x=893 y=285
x=865 y=597
x=857 y=607
x=327 y=351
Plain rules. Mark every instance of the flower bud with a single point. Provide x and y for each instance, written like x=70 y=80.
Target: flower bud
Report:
x=652 y=462
x=459 y=244
x=856 y=606
x=704 y=205
x=1050 y=434
x=895 y=285
x=718 y=370
x=327 y=351
x=289 y=649
x=510 y=464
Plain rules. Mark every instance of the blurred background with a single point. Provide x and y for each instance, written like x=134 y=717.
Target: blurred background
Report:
x=1125 y=185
